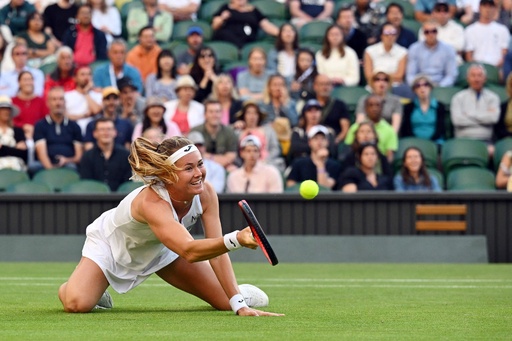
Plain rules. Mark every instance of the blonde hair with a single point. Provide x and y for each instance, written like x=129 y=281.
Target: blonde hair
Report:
x=149 y=160
x=215 y=92
x=266 y=90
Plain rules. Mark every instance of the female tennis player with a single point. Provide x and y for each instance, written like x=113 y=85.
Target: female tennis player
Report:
x=147 y=233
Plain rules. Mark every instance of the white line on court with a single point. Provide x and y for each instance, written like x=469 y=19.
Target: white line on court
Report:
x=412 y=283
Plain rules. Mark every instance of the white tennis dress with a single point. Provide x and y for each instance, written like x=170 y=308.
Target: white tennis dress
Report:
x=128 y=251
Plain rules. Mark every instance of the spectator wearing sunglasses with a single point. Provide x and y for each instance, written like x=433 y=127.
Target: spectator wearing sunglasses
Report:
x=448 y=31
x=423 y=9
x=380 y=85
x=433 y=58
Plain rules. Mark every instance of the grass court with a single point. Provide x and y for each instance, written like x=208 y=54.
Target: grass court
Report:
x=327 y=301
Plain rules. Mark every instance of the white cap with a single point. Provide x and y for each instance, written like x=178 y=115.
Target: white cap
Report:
x=250 y=140
x=318 y=129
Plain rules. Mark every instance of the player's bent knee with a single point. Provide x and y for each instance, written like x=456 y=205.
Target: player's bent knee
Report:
x=77 y=305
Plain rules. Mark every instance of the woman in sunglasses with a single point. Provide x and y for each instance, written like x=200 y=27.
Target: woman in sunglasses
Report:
x=380 y=85
x=424 y=117
x=204 y=72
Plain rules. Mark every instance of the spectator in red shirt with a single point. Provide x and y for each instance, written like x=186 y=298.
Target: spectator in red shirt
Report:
x=63 y=74
x=89 y=43
x=32 y=107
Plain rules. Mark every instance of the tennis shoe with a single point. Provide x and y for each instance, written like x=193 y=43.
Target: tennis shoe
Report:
x=105 y=301
x=253 y=296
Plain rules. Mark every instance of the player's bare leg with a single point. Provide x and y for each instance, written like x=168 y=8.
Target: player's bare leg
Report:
x=197 y=279
x=84 y=288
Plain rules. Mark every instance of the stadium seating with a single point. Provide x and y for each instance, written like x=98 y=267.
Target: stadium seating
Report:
x=444 y=95
x=29 y=187
x=427 y=147
x=208 y=9
x=499 y=90
x=470 y=179
x=128 y=186
x=9 y=177
x=459 y=152
x=406 y=5
x=500 y=148
x=350 y=95
x=86 y=186
x=412 y=25
x=224 y=51
x=56 y=178
x=272 y=9
x=438 y=175
x=265 y=45
x=125 y=8
x=313 y=31
x=180 y=29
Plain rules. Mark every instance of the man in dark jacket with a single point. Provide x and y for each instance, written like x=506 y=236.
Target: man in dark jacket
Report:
x=88 y=43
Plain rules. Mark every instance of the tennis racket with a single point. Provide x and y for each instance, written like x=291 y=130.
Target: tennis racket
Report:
x=257 y=232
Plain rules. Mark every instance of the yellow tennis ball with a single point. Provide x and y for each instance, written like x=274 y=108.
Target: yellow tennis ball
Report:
x=308 y=189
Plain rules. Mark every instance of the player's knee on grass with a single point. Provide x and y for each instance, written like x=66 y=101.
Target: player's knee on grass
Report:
x=73 y=304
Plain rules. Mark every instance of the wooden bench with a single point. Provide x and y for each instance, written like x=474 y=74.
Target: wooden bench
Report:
x=441 y=210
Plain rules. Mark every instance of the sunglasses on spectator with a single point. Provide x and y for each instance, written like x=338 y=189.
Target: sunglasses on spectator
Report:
x=422 y=84
x=20 y=53
x=389 y=33
x=206 y=55
x=380 y=79
x=441 y=9
x=432 y=31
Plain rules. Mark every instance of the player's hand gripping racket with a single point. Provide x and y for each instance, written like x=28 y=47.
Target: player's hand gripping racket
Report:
x=257 y=232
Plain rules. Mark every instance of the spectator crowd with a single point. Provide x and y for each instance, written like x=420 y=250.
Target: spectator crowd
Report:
x=326 y=90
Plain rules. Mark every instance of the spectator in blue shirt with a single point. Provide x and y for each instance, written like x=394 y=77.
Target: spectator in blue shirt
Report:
x=432 y=58
x=414 y=175
x=109 y=73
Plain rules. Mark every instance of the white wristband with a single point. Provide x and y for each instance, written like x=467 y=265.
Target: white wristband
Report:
x=237 y=302
x=231 y=241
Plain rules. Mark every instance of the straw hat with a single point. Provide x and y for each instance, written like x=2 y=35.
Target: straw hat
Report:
x=6 y=102
x=185 y=81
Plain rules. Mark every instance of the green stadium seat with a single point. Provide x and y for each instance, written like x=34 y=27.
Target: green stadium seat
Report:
x=427 y=147
x=86 y=186
x=313 y=31
x=460 y=152
x=29 y=187
x=225 y=52
x=412 y=24
x=438 y=175
x=272 y=9
x=56 y=178
x=179 y=31
x=311 y=45
x=128 y=186
x=500 y=147
x=470 y=179
x=208 y=9
x=445 y=95
x=48 y=67
x=350 y=95
x=265 y=45
x=10 y=176
x=499 y=90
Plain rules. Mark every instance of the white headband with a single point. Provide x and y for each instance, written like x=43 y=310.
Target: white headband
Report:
x=181 y=153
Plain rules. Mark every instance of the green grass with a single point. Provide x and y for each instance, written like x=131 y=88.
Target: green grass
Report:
x=321 y=302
